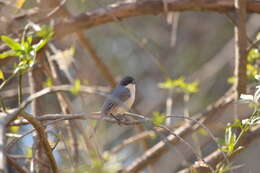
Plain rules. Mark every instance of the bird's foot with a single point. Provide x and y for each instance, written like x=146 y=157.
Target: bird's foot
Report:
x=119 y=118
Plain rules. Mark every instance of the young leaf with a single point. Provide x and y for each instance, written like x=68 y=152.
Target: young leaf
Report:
x=14 y=129
x=19 y=3
x=11 y=43
x=29 y=152
x=76 y=87
x=48 y=83
x=158 y=118
x=46 y=32
x=7 y=54
x=2 y=74
x=191 y=88
x=231 y=80
x=40 y=44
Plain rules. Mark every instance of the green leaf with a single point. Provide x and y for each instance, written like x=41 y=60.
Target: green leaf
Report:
x=202 y=131
x=46 y=32
x=180 y=85
x=253 y=55
x=11 y=43
x=221 y=141
x=191 y=88
x=236 y=123
x=231 y=80
x=40 y=44
x=29 y=39
x=48 y=83
x=76 y=87
x=29 y=152
x=167 y=84
x=7 y=54
x=158 y=118
x=19 y=3
x=2 y=74
x=14 y=129
x=251 y=71
x=258 y=36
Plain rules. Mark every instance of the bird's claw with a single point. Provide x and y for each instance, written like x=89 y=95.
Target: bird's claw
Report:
x=119 y=118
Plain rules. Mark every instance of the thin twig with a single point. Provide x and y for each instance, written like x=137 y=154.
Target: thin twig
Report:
x=160 y=148
x=85 y=89
x=20 y=92
x=215 y=157
x=190 y=147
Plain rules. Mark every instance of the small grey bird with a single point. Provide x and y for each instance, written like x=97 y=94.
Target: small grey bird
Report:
x=120 y=100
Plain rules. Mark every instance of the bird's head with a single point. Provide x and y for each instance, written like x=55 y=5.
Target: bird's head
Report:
x=127 y=80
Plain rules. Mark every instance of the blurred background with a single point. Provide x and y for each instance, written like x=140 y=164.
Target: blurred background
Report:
x=198 y=46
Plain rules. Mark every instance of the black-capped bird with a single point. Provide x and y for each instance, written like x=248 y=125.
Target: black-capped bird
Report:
x=120 y=100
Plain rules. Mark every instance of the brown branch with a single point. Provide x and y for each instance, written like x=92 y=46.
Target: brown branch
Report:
x=139 y=137
x=62 y=11
x=216 y=157
x=240 y=47
x=126 y=9
x=87 y=45
x=160 y=148
x=67 y=108
x=54 y=118
x=99 y=63
x=42 y=138
x=85 y=89
x=77 y=116
x=2 y=143
x=14 y=164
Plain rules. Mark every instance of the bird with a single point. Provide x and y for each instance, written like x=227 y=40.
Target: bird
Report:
x=120 y=100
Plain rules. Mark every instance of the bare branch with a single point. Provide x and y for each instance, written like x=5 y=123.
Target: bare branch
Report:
x=43 y=139
x=85 y=89
x=240 y=47
x=2 y=143
x=160 y=148
x=139 y=137
x=126 y=9
x=215 y=157
x=16 y=165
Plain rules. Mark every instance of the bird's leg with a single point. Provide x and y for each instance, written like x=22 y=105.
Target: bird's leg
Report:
x=117 y=119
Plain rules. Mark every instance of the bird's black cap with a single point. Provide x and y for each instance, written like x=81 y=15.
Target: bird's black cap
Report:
x=127 y=80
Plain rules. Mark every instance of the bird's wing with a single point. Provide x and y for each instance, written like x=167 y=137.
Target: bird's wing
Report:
x=118 y=96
